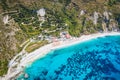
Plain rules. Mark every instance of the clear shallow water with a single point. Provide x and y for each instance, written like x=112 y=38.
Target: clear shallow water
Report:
x=96 y=59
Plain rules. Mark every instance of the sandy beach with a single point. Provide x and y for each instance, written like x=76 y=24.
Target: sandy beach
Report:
x=42 y=51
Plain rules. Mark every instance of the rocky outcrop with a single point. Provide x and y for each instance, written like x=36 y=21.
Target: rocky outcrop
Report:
x=105 y=19
x=95 y=19
x=41 y=14
x=5 y=19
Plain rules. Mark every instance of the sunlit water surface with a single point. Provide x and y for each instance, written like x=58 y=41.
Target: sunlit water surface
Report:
x=96 y=59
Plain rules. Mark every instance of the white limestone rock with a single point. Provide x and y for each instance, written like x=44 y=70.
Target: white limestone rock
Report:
x=106 y=15
x=95 y=18
x=41 y=12
x=82 y=12
x=5 y=19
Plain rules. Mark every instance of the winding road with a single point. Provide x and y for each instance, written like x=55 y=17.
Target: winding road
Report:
x=13 y=63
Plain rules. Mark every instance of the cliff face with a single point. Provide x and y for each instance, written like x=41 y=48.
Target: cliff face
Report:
x=19 y=20
x=104 y=14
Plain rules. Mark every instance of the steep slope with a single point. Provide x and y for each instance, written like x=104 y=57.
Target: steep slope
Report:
x=11 y=36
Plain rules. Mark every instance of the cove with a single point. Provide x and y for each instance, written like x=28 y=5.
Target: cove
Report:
x=96 y=59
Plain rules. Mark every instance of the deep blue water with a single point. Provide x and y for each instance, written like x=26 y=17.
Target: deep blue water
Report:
x=96 y=59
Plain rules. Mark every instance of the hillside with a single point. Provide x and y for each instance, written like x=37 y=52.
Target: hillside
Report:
x=20 y=21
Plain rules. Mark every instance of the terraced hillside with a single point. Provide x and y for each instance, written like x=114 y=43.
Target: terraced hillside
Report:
x=19 y=21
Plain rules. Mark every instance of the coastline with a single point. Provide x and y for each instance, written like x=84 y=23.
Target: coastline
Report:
x=42 y=51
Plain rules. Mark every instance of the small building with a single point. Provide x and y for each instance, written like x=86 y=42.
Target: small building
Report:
x=65 y=35
x=40 y=37
x=54 y=39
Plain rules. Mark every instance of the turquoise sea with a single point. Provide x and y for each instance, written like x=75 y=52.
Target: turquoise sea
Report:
x=96 y=59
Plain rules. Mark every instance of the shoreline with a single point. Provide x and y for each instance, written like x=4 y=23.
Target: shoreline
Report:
x=44 y=50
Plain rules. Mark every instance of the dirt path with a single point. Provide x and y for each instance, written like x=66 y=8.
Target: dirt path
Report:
x=13 y=63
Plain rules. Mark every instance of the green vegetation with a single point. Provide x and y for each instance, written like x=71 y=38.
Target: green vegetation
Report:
x=112 y=2
x=4 y=4
x=57 y=16
x=117 y=17
x=35 y=45
x=61 y=15
x=3 y=66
